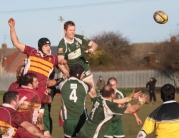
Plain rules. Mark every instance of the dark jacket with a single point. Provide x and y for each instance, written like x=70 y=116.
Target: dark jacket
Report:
x=151 y=85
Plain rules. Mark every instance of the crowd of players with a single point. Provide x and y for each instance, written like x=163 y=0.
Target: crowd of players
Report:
x=25 y=111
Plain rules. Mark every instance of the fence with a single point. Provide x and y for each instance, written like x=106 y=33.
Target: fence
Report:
x=126 y=79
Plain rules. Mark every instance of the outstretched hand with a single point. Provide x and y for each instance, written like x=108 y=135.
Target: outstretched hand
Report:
x=66 y=75
x=143 y=98
x=139 y=122
x=135 y=95
x=11 y=22
x=89 y=51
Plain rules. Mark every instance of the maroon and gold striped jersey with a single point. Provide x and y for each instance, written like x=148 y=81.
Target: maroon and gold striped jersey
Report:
x=10 y=120
x=39 y=64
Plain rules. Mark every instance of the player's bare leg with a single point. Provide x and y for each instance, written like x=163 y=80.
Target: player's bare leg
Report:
x=90 y=80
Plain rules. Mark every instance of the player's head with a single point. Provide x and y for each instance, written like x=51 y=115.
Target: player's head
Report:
x=113 y=82
x=69 y=29
x=151 y=79
x=44 y=45
x=30 y=80
x=19 y=73
x=108 y=92
x=167 y=92
x=12 y=98
x=77 y=71
x=100 y=78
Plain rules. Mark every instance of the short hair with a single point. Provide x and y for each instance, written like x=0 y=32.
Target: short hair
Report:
x=167 y=92
x=66 y=24
x=112 y=78
x=76 y=69
x=28 y=78
x=9 y=96
x=107 y=91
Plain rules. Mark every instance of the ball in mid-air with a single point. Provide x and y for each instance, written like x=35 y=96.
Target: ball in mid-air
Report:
x=160 y=17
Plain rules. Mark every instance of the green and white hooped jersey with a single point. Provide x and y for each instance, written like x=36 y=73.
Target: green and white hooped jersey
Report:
x=73 y=51
x=73 y=92
x=119 y=95
x=100 y=118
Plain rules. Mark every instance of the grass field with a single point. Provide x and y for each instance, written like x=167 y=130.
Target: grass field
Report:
x=130 y=125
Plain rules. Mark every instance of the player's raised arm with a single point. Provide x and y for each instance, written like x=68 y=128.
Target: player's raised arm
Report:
x=134 y=108
x=133 y=96
x=138 y=120
x=14 y=37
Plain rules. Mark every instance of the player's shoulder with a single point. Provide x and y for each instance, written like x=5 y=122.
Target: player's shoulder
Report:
x=119 y=92
x=78 y=36
x=83 y=38
x=30 y=49
x=111 y=105
x=61 y=43
x=76 y=81
x=53 y=56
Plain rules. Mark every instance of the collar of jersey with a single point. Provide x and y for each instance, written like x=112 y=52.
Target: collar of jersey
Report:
x=23 y=86
x=171 y=101
x=8 y=105
x=42 y=55
x=69 y=42
x=105 y=99
x=73 y=78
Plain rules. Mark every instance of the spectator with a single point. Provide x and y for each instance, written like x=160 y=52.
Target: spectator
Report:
x=151 y=87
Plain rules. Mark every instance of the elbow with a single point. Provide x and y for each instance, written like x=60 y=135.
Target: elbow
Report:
x=130 y=110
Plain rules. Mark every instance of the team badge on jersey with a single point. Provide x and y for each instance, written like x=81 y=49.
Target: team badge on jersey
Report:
x=73 y=86
x=77 y=44
x=50 y=59
x=60 y=50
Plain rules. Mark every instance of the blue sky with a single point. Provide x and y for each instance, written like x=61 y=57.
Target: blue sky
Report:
x=132 y=18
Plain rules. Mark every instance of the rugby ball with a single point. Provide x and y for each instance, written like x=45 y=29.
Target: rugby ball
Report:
x=160 y=17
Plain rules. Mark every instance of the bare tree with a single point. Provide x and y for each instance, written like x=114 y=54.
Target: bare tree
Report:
x=111 y=51
x=168 y=59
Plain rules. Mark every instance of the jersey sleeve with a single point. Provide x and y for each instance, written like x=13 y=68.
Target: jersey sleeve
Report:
x=85 y=40
x=28 y=50
x=61 y=48
x=115 y=108
x=88 y=86
x=13 y=86
x=18 y=119
x=148 y=126
x=55 y=61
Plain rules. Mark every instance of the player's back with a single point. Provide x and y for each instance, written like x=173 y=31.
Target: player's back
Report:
x=8 y=120
x=166 y=119
x=100 y=117
x=30 y=103
x=73 y=92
